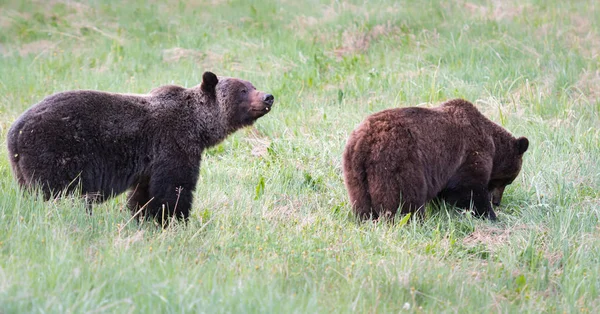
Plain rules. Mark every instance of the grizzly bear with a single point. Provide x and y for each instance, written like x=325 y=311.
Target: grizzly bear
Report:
x=101 y=144
x=405 y=157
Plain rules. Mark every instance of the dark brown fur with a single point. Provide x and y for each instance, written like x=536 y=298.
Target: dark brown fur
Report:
x=405 y=157
x=107 y=143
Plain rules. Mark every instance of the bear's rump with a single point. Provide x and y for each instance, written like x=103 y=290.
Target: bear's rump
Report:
x=394 y=173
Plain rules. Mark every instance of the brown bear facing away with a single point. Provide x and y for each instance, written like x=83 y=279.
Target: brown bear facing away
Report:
x=404 y=157
x=103 y=144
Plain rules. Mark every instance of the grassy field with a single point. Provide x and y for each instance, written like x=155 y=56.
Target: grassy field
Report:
x=271 y=230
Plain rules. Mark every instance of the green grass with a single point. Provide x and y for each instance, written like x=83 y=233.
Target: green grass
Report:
x=271 y=230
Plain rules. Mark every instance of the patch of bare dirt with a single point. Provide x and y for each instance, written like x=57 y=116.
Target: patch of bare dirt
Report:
x=494 y=238
x=491 y=237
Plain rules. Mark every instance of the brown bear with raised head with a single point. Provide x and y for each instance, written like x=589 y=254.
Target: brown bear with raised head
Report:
x=103 y=144
x=405 y=157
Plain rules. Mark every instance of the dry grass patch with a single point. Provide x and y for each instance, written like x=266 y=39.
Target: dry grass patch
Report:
x=206 y=59
x=583 y=35
x=260 y=143
x=534 y=90
x=78 y=16
x=303 y=25
x=37 y=47
x=127 y=242
x=355 y=42
x=286 y=210
x=177 y=53
x=589 y=85
x=496 y=10
x=578 y=32
x=282 y=213
x=500 y=111
x=5 y=19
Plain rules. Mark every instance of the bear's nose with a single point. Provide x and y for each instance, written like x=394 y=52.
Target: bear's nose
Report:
x=269 y=99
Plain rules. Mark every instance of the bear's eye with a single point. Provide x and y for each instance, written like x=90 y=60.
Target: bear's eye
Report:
x=244 y=91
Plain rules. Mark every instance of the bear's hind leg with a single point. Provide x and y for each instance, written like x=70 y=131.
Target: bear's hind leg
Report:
x=355 y=178
x=388 y=194
x=413 y=201
x=385 y=192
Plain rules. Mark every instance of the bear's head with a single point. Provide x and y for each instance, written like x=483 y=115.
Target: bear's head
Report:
x=240 y=103
x=507 y=165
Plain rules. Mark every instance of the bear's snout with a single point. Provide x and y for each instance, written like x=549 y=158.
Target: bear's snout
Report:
x=269 y=99
x=262 y=102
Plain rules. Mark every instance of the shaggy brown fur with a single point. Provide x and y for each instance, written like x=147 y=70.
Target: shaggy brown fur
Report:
x=107 y=143
x=402 y=158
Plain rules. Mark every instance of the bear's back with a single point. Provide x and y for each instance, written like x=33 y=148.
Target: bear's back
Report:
x=91 y=111
x=82 y=122
x=422 y=122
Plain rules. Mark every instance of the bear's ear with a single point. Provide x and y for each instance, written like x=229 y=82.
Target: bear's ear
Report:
x=522 y=145
x=209 y=82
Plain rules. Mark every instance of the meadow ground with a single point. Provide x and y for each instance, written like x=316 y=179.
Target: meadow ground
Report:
x=271 y=230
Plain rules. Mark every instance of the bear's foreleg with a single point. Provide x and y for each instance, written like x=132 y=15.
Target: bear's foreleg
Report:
x=139 y=198
x=171 y=190
x=472 y=195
